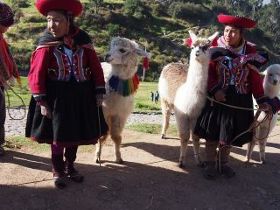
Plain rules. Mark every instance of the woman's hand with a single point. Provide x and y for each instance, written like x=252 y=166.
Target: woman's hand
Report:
x=220 y=95
x=265 y=107
x=99 y=99
x=46 y=111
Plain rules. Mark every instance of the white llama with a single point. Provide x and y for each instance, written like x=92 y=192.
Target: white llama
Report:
x=189 y=86
x=121 y=85
x=271 y=85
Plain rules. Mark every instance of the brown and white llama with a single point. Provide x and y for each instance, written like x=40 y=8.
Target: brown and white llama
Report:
x=183 y=89
x=121 y=85
x=271 y=85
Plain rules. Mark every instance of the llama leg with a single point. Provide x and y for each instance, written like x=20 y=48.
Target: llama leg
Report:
x=116 y=130
x=250 y=150
x=196 y=149
x=117 y=140
x=262 y=144
x=98 y=148
x=252 y=144
x=183 y=149
x=166 y=112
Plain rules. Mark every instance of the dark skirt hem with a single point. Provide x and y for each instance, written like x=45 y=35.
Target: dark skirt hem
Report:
x=67 y=144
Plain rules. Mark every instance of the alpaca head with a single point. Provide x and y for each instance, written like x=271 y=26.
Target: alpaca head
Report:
x=272 y=80
x=124 y=52
x=200 y=46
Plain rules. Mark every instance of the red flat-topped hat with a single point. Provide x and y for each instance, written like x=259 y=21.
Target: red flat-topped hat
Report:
x=72 y=6
x=240 y=22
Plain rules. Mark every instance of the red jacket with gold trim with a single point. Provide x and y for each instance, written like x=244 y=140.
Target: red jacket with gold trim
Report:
x=51 y=63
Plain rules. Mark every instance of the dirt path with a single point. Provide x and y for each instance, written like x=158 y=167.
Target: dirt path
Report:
x=149 y=179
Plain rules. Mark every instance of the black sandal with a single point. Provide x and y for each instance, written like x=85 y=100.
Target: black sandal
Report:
x=210 y=171
x=227 y=171
x=59 y=181
x=74 y=175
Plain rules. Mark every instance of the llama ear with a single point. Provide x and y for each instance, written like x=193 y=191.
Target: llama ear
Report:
x=211 y=38
x=141 y=52
x=193 y=36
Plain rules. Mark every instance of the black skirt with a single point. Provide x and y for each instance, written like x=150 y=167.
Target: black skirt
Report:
x=76 y=119
x=221 y=123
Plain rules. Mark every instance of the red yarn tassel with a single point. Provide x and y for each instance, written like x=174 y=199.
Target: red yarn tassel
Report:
x=146 y=63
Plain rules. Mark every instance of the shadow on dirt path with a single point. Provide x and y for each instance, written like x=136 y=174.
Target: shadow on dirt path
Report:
x=149 y=179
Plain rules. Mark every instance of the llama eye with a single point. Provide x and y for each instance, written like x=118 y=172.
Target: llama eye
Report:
x=122 y=50
x=204 y=48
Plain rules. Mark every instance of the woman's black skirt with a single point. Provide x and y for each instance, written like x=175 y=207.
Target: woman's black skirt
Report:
x=221 y=123
x=76 y=118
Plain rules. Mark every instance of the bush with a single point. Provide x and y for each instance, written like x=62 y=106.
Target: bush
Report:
x=135 y=8
x=113 y=29
x=190 y=12
x=21 y=3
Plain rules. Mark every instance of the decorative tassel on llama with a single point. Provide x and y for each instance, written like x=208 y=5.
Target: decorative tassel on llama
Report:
x=145 y=66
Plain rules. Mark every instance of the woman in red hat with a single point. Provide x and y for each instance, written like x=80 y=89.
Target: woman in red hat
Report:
x=8 y=67
x=233 y=79
x=67 y=85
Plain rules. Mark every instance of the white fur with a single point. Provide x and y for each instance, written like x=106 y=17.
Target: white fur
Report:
x=190 y=93
x=271 y=85
x=122 y=61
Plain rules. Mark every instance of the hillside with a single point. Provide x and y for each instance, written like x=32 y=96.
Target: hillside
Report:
x=158 y=27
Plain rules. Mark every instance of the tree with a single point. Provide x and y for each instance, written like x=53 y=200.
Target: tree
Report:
x=96 y=5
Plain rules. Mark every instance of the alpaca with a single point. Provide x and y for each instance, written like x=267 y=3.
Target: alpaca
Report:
x=121 y=85
x=183 y=89
x=271 y=85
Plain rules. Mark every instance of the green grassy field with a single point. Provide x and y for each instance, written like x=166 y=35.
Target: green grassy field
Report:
x=142 y=97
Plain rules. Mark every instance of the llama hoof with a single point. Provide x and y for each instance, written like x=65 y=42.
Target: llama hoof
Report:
x=163 y=136
x=263 y=162
x=120 y=161
x=98 y=160
x=181 y=165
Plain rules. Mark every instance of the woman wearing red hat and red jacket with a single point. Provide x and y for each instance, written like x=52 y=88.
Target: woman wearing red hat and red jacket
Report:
x=8 y=67
x=233 y=78
x=67 y=84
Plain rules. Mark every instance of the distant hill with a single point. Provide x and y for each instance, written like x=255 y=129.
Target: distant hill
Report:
x=159 y=29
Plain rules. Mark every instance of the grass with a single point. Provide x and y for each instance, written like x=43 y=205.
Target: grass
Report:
x=21 y=142
x=152 y=128
x=143 y=102
x=18 y=96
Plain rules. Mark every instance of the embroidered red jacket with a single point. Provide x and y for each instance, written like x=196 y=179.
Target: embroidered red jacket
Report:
x=245 y=78
x=51 y=63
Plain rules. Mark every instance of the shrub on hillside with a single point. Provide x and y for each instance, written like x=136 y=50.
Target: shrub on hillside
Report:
x=113 y=29
x=34 y=19
x=135 y=8
x=190 y=12
x=21 y=3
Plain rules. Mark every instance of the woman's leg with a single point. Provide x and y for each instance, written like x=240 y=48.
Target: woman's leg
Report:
x=58 y=166
x=70 y=157
x=224 y=169
x=210 y=171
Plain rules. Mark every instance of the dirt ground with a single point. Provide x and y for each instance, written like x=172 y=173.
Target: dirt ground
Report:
x=149 y=179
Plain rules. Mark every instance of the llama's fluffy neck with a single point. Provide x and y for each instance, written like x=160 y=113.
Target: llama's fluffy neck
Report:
x=197 y=76
x=271 y=91
x=191 y=96
x=124 y=71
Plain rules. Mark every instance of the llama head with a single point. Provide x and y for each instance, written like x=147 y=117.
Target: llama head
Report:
x=124 y=52
x=200 y=46
x=272 y=80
